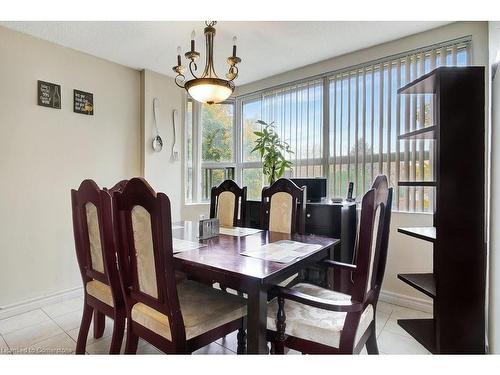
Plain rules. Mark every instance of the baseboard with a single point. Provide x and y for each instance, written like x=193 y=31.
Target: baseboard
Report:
x=37 y=302
x=406 y=301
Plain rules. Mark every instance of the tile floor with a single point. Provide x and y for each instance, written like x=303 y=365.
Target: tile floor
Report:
x=53 y=329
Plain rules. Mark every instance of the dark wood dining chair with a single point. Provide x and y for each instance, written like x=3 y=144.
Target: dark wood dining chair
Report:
x=316 y=320
x=95 y=251
x=118 y=187
x=283 y=207
x=228 y=203
x=176 y=318
x=283 y=210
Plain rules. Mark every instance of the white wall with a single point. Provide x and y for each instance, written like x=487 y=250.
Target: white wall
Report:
x=161 y=172
x=494 y=261
x=46 y=152
x=406 y=254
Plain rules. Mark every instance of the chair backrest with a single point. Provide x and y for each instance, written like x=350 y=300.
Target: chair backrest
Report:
x=372 y=241
x=119 y=186
x=228 y=203
x=143 y=228
x=283 y=207
x=94 y=239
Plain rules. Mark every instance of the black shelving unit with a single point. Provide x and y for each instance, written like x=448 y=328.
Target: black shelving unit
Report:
x=422 y=330
x=458 y=281
x=417 y=183
x=429 y=132
x=424 y=233
x=423 y=282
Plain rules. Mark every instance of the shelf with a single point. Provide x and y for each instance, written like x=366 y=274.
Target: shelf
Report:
x=421 y=330
x=417 y=183
x=458 y=98
x=428 y=83
x=423 y=282
x=423 y=233
x=428 y=132
x=425 y=84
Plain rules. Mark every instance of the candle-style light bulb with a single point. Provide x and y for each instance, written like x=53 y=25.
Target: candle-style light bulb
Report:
x=193 y=35
x=179 y=55
x=234 y=45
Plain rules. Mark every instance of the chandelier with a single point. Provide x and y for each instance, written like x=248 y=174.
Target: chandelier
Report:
x=208 y=88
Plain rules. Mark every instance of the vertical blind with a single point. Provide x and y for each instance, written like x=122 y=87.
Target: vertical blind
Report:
x=297 y=112
x=367 y=116
x=345 y=125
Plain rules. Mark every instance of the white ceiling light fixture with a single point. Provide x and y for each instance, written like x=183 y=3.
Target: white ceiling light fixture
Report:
x=208 y=88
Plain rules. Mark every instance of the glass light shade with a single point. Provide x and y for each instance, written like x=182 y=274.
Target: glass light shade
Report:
x=209 y=90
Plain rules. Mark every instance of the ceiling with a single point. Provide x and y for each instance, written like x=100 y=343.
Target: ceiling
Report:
x=266 y=48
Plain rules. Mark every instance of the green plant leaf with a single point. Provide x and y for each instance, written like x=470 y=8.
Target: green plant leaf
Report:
x=272 y=151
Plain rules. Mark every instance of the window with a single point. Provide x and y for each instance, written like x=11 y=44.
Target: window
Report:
x=190 y=149
x=209 y=148
x=252 y=111
x=217 y=132
x=298 y=113
x=251 y=172
x=342 y=125
x=253 y=179
x=367 y=116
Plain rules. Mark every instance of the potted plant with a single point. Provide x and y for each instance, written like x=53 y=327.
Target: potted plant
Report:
x=273 y=151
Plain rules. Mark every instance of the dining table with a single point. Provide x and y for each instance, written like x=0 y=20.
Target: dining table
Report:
x=221 y=261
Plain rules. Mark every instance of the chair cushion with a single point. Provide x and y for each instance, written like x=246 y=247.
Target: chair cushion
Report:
x=280 y=213
x=314 y=324
x=225 y=208
x=100 y=291
x=203 y=308
x=94 y=237
x=144 y=251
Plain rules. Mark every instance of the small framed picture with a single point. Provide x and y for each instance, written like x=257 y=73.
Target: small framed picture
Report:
x=49 y=94
x=83 y=102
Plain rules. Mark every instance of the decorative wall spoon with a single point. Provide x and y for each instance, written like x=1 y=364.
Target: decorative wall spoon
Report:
x=157 y=141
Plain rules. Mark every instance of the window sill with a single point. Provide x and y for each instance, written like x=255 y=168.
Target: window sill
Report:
x=358 y=208
x=193 y=204
x=396 y=212
x=412 y=213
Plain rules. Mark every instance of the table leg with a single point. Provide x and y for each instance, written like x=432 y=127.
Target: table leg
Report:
x=257 y=320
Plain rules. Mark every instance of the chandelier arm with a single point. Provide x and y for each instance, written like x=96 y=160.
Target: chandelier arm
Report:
x=191 y=63
x=236 y=75
x=182 y=77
